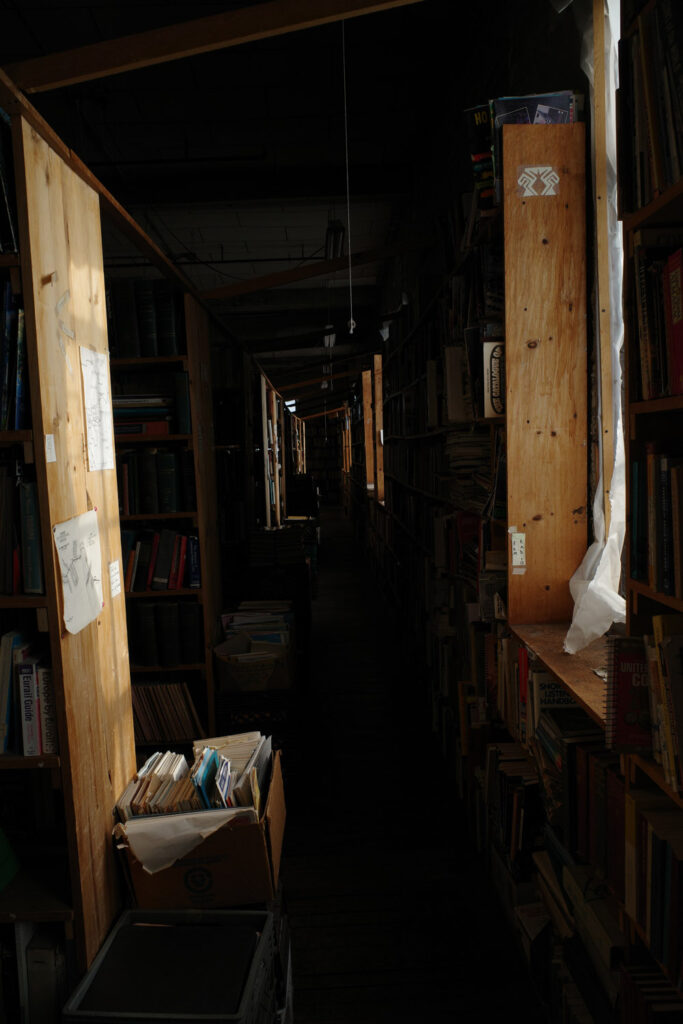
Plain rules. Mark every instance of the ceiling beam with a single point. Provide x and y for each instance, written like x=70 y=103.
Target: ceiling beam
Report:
x=325 y=412
x=172 y=42
x=321 y=268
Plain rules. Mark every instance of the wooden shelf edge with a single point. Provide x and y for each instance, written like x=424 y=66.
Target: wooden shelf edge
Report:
x=12 y=762
x=577 y=672
x=655 y=595
x=23 y=601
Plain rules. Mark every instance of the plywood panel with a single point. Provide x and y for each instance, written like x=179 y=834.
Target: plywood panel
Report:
x=545 y=340
x=65 y=309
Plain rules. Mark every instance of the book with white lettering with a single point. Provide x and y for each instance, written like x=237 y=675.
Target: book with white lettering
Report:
x=628 y=725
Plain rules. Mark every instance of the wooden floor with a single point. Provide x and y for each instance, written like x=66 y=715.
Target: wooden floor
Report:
x=390 y=913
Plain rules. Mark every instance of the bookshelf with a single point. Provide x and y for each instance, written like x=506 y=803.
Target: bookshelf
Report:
x=61 y=282
x=163 y=415
x=651 y=210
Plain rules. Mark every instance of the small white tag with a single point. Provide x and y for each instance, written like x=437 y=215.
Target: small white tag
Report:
x=114 y=578
x=50 y=452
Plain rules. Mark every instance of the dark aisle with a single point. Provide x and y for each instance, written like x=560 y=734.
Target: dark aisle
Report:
x=390 y=913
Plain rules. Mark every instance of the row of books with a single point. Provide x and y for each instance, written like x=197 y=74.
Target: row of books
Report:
x=658 y=313
x=644 y=711
x=144 y=318
x=21 y=562
x=160 y=560
x=165 y=633
x=226 y=772
x=651 y=104
x=484 y=131
x=155 y=480
x=28 y=722
x=14 y=405
x=656 y=520
x=153 y=414
x=164 y=711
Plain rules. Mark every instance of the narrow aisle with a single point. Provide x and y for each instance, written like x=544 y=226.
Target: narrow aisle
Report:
x=390 y=914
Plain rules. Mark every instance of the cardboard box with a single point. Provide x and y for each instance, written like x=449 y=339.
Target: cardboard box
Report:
x=237 y=865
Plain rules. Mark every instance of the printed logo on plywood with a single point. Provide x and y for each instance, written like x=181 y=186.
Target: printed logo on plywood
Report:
x=538 y=181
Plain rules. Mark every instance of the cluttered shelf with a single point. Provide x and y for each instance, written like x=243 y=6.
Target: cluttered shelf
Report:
x=25 y=898
x=583 y=673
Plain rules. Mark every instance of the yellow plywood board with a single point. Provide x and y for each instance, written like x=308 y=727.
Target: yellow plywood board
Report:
x=65 y=310
x=546 y=366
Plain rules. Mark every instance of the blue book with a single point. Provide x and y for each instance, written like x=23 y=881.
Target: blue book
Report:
x=7 y=353
x=20 y=414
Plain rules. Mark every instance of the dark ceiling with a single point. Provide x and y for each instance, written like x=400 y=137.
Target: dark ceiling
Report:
x=234 y=161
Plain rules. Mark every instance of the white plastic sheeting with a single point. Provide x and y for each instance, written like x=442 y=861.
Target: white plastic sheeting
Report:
x=595 y=584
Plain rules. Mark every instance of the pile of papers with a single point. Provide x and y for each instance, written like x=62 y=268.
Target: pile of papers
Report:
x=258 y=644
x=227 y=772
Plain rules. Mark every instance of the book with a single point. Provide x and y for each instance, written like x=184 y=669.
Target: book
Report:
x=31 y=548
x=493 y=353
x=163 y=562
x=194 y=571
x=673 y=306
x=628 y=724
x=664 y=625
x=8 y=644
x=27 y=692
x=49 y=742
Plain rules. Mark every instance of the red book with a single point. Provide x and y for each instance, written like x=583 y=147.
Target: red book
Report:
x=673 y=309
x=628 y=726
x=182 y=557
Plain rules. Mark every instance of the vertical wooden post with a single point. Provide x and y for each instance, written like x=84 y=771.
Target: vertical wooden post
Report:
x=369 y=438
x=546 y=366
x=603 y=252
x=379 y=429
x=266 y=445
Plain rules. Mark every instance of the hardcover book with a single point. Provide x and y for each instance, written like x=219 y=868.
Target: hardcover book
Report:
x=628 y=727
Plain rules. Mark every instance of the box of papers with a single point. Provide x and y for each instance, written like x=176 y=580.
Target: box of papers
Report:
x=252 y=670
x=228 y=862
x=183 y=966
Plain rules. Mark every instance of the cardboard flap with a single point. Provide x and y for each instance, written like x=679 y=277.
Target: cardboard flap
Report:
x=276 y=814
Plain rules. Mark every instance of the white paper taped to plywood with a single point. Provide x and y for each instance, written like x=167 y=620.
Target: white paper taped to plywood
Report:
x=518 y=549
x=98 y=419
x=80 y=561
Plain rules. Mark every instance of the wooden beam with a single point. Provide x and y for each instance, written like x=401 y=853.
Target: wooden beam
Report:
x=321 y=268
x=603 y=256
x=172 y=42
x=315 y=380
x=325 y=412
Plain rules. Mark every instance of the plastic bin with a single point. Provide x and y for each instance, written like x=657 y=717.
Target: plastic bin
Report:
x=180 y=967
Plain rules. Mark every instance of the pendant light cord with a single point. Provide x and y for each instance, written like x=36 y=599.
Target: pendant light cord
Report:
x=348 y=190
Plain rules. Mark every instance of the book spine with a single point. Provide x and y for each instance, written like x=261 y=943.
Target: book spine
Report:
x=28 y=696
x=194 y=570
x=48 y=716
x=31 y=552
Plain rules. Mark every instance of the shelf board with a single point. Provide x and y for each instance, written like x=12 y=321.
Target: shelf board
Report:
x=669 y=403
x=654 y=772
x=654 y=595
x=153 y=440
x=142 y=517
x=199 y=666
x=9 y=259
x=577 y=672
x=8 y=437
x=26 y=898
x=151 y=361
x=184 y=592
x=19 y=601
x=664 y=209
x=14 y=762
